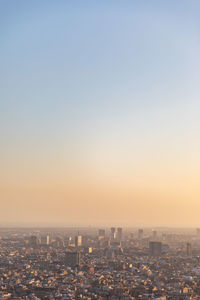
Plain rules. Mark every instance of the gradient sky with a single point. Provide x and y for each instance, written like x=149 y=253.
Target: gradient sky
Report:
x=100 y=113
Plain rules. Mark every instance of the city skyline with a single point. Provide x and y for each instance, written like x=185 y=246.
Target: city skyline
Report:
x=100 y=113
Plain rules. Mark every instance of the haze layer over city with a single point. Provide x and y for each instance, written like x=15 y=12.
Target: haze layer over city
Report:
x=100 y=113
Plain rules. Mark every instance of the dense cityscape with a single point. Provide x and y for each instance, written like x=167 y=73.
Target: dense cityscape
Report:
x=90 y=263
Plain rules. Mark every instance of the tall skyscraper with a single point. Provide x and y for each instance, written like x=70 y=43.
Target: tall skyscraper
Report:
x=140 y=233
x=102 y=232
x=34 y=241
x=119 y=233
x=155 y=248
x=110 y=253
x=78 y=241
x=72 y=259
x=189 y=249
x=47 y=240
x=113 y=232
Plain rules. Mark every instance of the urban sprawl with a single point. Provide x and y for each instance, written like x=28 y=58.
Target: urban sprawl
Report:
x=104 y=264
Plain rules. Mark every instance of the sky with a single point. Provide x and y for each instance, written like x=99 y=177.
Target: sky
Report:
x=99 y=113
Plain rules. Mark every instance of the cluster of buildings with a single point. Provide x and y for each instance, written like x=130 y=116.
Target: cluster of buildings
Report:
x=104 y=264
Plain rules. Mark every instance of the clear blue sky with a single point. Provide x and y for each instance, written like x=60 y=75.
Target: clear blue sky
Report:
x=99 y=84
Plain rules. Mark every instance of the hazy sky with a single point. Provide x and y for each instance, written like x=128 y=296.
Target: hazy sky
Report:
x=100 y=112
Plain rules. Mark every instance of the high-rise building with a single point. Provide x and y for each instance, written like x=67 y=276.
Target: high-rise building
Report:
x=140 y=233
x=189 y=249
x=89 y=249
x=119 y=233
x=78 y=241
x=113 y=232
x=69 y=241
x=110 y=253
x=47 y=240
x=34 y=241
x=155 y=248
x=72 y=259
x=102 y=232
x=60 y=242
